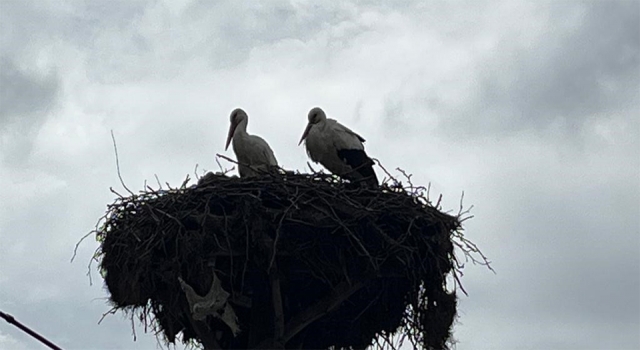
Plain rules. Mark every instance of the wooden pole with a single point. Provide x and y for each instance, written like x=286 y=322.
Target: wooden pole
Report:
x=278 y=313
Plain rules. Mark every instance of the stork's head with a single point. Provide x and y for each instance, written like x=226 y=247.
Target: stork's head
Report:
x=238 y=116
x=316 y=115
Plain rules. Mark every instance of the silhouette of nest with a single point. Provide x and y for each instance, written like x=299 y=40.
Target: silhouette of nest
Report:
x=308 y=260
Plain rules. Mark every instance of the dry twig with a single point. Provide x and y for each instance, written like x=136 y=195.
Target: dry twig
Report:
x=326 y=239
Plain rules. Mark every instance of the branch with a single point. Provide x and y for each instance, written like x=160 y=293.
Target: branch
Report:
x=325 y=305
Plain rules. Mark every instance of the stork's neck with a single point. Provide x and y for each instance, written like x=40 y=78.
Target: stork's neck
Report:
x=321 y=124
x=241 y=129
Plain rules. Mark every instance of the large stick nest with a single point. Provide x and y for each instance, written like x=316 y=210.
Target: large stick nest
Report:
x=351 y=264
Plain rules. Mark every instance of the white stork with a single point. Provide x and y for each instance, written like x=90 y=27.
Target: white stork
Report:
x=252 y=151
x=337 y=148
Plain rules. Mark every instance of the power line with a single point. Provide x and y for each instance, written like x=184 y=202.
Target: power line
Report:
x=28 y=330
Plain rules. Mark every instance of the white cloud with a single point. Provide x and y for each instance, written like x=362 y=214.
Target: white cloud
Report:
x=8 y=342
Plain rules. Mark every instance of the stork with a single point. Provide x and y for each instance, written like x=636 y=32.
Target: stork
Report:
x=253 y=152
x=337 y=148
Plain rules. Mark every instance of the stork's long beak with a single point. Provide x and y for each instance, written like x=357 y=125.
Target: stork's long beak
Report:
x=232 y=129
x=305 y=133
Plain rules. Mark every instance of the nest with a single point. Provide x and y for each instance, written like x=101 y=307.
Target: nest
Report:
x=288 y=261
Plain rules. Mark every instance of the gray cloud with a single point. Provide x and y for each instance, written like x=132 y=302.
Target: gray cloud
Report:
x=558 y=219
x=568 y=230
x=231 y=30
x=23 y=25
x=107 y=37
x=25 y=94
x=28 y=24
x=569 y=75
x=54 y=320
x=26 y=97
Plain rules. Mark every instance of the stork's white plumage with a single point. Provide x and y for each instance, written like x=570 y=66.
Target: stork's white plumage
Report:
x=337 y=148
x=253 y=152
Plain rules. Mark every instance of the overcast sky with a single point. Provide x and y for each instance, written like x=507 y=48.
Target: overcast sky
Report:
x=531 y=108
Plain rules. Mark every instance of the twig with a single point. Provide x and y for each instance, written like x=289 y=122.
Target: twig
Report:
x=391 y=178
x=75 y=250
x=185 y=182
x=158 y=181
x=133 y=329
x=110 y=312
x=195 y=172
x=391 y=233
x=115 y=148
x=407 y=176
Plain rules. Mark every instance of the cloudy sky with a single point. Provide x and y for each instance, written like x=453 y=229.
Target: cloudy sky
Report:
x=531 y=108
